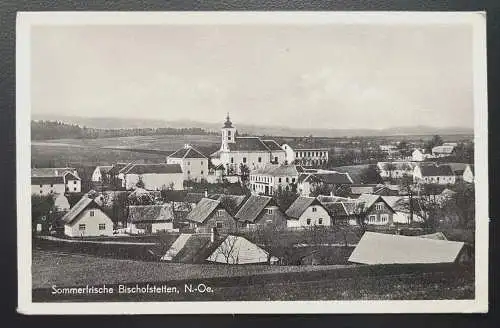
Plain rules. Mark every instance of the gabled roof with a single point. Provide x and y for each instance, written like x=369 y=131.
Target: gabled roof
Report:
x=272 y=145
x=457 y=168
x=279 y=170
x=194 y=197
x=436 y=170
x=153 y=169
x=301 y=145
x=203 y=210
x=78 y=208
x=443 y=149
x=253 y=206
x=70 y=176
x=51 y=171
x=150 y=213
x=328 y=178
x=336 y=209
x=333 y=199
x=355 y=171
x=175 y=195
x=300 y=205
x=115 y=169
x=247 y=144
x=187 y=152
x=379 y=248
x=47 y=180
x=437 y=235
x=369 y=199
x=238 y=199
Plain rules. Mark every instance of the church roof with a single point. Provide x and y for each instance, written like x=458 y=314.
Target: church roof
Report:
x=247 y=144
x=272 y=145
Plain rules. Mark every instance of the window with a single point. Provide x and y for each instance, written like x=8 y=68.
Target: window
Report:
x=297 y=154
x=384 y=218
x=102 y=226
x=244 y=159
x=189 y=172
x=51 y=185
x=41 y=191
x=81 y=227
x=372 y=218
x=308 y=221
x=189 y=163
x=260 y=159
x=379 y=206
x=92 y=213
x=276 y=159
x=220 y=212
x=218 y=225
x=74 y=189
x=201 y=172
x=74 y=181
x=232 y=160
x=41 y=186
x=201 y=163
x=279 y=180
x=314 y=209
x=320 y=221
x=269 y=211
x=293 y=180
x=229 y=133
x=286 y=180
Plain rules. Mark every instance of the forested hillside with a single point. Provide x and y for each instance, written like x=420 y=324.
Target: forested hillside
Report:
x=44 y=130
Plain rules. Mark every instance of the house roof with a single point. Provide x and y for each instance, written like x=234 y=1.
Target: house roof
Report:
x=279 y=170
x=300 y=205
x=355 y=171
x=71 y=176
x=247 y=144
x=436 y=170
x=80 y=206
x=202 y=210
x=379 y=248
x=153 y=169
x=115 y=169
x=336 y=209
x=272 y=145
x=175 y=195
x=448 y=192
x=150 y=213
x=50 y=172
x=47 y=180
x=333 y=199
x=105 y=169
x=194 y=197
x=437 y=235
x=238 y=199
x=301 y=145
x=253 y=206
x=443 y=149
x=369 y=199
x=457 y=168
x=328 y=178
x=402 y=166
x=187 y=152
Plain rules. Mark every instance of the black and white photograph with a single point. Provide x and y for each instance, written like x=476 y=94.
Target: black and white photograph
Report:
x=303 y=162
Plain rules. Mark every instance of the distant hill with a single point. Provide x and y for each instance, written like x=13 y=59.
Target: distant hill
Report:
x=126 y=123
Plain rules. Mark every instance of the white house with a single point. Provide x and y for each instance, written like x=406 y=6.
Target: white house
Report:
x=307 y=182
x=100 y=173
x=45 y=181
x=307 y=212
x=239 y=250
x=266 y=180
x=434 y=174
x=86 y=218
x=468 y=175
x=150 y=218
x=443 y=151
x=249 y=151
x=154 y=176
x=193 y=163
x=419 y=155
x=395 y=170
x=309 y=156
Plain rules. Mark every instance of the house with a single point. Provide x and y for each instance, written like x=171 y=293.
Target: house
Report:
x=61 y=203
x=153 y=176
x=330 y=180
x=45 y=181
x=468 y=175
x=443 y=151
x=239 y=250
x=379 y=248
x=395 y=170
x=305 y=154
x=434 y=174
x=418 y=155
x=232 y=203
x=401 y=207
x=209 y=214
x=463 y=171
x=266 y=180
x=375 y=210
x=388 y=149
x=261 y=211
x=100 y=173
x=193 y=163
x=150 y=218
x=86 y=218
x=307 y=212
x=251 y=152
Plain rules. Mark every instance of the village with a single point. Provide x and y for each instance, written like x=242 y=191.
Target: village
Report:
x=256 y=201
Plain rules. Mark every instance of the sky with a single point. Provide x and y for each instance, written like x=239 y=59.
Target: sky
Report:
x=317 y=76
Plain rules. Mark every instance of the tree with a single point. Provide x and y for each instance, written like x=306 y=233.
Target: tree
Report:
x=244 y=172
x=115 y=205
x=140 y=183
x=370 y=175
x=228 y=250
x=41 y=207
x=284 y=197
x=462 y=203
x=408 y=187
x=435 y=141
x=340 y=190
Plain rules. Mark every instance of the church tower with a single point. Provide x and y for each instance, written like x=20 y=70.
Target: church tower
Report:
x=228 y=134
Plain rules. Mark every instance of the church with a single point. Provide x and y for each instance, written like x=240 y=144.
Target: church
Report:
x=250 y=151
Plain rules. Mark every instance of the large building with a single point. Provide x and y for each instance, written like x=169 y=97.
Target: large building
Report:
x=46 y=181
x=266 y=180
x=252 y=152
x=193 y=163
x=153 y=176
x=304 y=155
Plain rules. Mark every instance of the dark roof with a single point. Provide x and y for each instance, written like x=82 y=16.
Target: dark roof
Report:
x=279 y=170
x=272 y=145
x=203 y=210
x=153 y=169
x=252 y=208
x=70 y=176
x=238 y=199
x=305 y=145
x=369 y=200
x=47 y=180
x=335 y=209
x=82 y=204
x=436 y=170
x=150 y=213
x=194 y=197
x=247 y=144
x=115 y=169
x=354 y=171
x=188 y=152
x=175 y=195
x=300 y=205
x=85 y=172
x=228 y=123
x=329 y=178
x=50 y=172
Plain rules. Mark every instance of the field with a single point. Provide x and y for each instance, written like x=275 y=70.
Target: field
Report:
x=247 y=282
x=106 y=151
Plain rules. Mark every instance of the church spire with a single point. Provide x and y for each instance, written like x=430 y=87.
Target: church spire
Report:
x=228 y=123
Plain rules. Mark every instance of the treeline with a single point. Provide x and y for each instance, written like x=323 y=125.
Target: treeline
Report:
x=44 y=130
